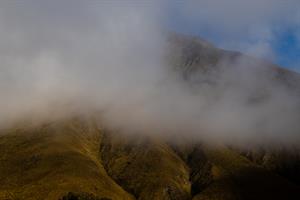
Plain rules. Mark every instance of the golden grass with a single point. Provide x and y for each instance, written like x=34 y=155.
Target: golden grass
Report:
x=48 y=162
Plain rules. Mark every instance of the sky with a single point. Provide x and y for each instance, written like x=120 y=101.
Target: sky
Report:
x=288 y=50
x=269 y=29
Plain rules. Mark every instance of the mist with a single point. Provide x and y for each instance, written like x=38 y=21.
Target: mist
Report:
x=62 y=59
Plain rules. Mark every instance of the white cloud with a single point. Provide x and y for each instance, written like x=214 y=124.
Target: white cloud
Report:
x=57 y=58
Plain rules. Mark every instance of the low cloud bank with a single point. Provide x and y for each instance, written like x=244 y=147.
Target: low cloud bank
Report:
x=61 y=59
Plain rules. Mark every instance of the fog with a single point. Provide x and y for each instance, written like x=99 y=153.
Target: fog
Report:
x=62 y=59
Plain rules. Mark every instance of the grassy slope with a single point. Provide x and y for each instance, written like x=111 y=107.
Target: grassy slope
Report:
x=238 y=178
x=147 y=168
x=47 y=162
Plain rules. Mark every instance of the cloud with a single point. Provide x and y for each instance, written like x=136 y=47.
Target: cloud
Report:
x=53 y=50
x=60 y=59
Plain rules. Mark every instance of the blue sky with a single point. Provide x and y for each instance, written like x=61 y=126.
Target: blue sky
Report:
x=285 y=45
x=269 y=29
x=288 y=50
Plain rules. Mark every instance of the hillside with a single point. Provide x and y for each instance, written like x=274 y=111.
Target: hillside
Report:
x=49 y=161
x=46 y=162
x=80 y=158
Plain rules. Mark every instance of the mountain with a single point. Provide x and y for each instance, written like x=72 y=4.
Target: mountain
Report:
x=192 y=54
x=80 y=158
x=75 y=159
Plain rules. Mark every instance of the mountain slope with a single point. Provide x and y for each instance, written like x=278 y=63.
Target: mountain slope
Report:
x=46 y=162
x=77 y=158
x=246 y=179
x=192 y=55
x=147 y=168
x=49 y=161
